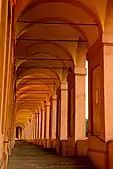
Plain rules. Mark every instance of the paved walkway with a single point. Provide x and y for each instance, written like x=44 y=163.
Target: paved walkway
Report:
x=29 y=156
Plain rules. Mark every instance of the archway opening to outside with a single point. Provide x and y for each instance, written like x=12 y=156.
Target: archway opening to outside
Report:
x=18 y=133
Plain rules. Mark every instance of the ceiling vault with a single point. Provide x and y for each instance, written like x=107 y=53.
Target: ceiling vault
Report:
x=48 y=37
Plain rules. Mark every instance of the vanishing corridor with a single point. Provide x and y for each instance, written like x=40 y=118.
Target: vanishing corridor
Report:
x=29 y=156
x=47 y=48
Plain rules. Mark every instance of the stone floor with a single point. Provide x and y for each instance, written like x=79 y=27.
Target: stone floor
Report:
x=29 y=156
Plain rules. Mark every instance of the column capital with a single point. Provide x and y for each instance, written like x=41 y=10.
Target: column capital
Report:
x=80 y=71
x=43 y=109
x=64 y=86
x=47 y=104
x=54 y=97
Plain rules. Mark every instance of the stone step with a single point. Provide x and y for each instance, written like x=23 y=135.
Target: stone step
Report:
x=29 y=156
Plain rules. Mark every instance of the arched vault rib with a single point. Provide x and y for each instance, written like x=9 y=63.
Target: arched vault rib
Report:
x=35 y=82
x=43 y=83
x=72 y=5
x=54 y=19
x=36 y=54
x=89 y=6
x=33 y=87
x=80 y=6
x=51 y=72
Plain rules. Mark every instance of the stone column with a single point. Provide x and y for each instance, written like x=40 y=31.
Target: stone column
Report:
x=39 y=124
x=3 y=69
x=54 y=117
x=33 y=127
x=100 y=96
x=23 y=135
x=43 y=122
x=48 y=125
x=36 y=126
x=62 y=145
x=47 y=120
x=29 y=130
x=64 y=111
x=3 y=51
x=80 y=74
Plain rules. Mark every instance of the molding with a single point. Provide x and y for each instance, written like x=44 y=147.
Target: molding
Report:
x=5 y=141
x=64 y=86
x=108 y=43
x=80 y=71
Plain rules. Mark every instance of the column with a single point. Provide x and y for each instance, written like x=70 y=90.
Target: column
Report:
x=43 y=122
x=28 y=133
x=108 y=101
x=3 y=48
x=36 y=126
x=64 y=111
x=30 y=130
x=47 y=120
x=3 y=58
x=80 y=74
x=100 y=125
x=54 y=117
x=39 y=124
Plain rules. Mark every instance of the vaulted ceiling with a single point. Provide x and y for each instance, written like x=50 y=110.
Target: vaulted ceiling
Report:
x=47 y=36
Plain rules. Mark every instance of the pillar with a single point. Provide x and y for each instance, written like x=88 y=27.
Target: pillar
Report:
x=54 y=117
x=43 y=122
x=3 y=58
x=80 y=74
x=47 y=120
x=36 y=127
x=48 y=145
x=100 y=59
x=29 y=130
x=64 y=111
x=39 y=124
x=64 y=119
x=26 y=131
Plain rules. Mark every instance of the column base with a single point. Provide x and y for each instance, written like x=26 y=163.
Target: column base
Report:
x=44 y=143
x=98 y=152
x=66 y=147
x=48 y=145
x=34 y=141
x=40 y=142
x=82 y=148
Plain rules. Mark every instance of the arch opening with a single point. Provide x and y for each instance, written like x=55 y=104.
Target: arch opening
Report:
x=18 y=133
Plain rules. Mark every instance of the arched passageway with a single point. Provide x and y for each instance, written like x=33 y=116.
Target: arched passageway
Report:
x=18 y=133
x=44 y=46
